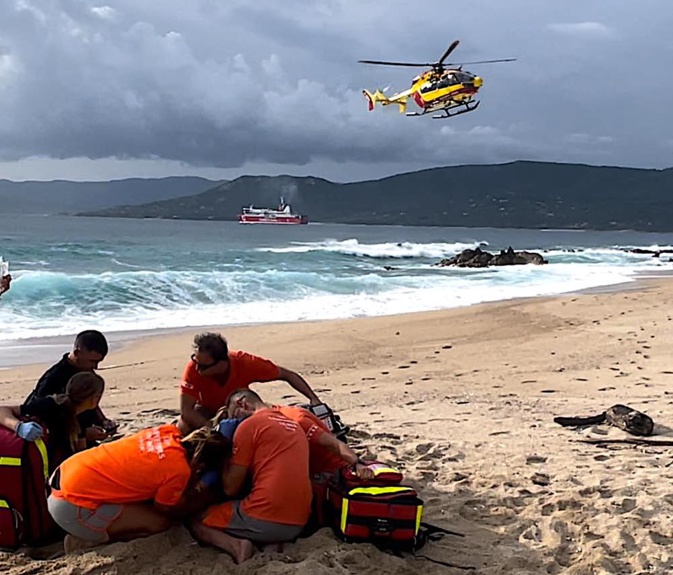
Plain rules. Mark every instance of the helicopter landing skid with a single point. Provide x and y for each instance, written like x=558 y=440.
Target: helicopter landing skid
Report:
x=452 y=111
x=449 y=111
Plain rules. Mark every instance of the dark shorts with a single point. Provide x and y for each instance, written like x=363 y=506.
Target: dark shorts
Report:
x=87 y=524
x=229 y=518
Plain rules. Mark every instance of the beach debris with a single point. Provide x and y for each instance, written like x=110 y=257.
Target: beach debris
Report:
x=626 y=418
x=478 y=258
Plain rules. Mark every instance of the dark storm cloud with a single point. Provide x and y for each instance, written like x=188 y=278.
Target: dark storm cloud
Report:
x=214 y=83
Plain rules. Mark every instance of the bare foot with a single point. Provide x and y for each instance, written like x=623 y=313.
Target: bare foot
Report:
x=240 y=549
x=72 y=544
x=243 y=550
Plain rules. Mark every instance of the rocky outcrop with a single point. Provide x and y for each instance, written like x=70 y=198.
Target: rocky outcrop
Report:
x=478 y=258
x=654 y=253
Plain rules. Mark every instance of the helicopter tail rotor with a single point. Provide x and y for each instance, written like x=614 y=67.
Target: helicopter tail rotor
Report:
x=373 y=99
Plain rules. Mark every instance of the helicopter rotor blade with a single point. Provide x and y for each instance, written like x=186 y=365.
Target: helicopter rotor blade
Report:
x=450 y=49
x=382 y=63
x=481 y=62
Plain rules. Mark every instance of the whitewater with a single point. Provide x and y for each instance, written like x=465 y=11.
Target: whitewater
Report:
x=135 y=275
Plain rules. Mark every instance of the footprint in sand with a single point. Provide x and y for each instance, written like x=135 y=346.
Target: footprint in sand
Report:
x=391 y=436
x=385 y=372
x=323 y=390
x=533 y=459
x=660 y=538
x=447 y=346
x=426 y=378
x=162 y=412
x=368 y=379
x=355 y=391
x=413 y=361
x=549 y=391
x=408 y=383
x=403 y=367
x=606 y=388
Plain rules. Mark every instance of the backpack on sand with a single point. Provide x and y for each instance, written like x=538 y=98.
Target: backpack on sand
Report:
x=381 y=511
x=24 y=470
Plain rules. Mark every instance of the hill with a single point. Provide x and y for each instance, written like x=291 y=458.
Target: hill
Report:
x=519 y=194
x=57 y=197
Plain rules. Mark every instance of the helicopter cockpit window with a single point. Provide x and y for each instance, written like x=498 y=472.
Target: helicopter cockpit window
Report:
x=427 y=87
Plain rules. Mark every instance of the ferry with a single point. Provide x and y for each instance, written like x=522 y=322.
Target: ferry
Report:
x=282 y=215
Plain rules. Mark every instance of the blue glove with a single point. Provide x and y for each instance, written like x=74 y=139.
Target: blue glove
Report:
x=29 y=430
x=226 y=427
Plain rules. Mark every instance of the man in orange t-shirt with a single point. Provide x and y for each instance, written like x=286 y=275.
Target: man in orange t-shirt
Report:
x=214 y=373
x=272 y=451
x=102 y=494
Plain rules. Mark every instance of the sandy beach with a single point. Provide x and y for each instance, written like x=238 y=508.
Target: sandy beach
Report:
x=463 y=401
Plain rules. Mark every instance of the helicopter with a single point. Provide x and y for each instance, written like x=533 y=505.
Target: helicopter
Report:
x=446 y=89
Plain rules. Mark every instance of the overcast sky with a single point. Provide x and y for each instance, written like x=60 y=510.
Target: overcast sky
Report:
x=220 y=88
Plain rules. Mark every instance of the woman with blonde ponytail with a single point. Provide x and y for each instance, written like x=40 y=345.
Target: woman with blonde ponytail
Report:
x=57 y=415
x=132 y=487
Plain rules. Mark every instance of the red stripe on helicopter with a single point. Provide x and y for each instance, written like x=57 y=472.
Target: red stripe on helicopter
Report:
x=423 y=104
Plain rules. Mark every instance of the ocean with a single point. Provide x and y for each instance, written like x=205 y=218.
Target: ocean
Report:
x=128 y=275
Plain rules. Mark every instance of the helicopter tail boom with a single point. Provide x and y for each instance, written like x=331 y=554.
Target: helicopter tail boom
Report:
x=381 y=98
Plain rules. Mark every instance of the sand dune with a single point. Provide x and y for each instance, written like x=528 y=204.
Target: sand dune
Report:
x=463 y=401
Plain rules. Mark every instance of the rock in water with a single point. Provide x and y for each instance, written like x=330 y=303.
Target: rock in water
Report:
x=478 y=258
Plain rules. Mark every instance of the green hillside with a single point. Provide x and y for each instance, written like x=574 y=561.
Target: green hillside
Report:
x=519 y=194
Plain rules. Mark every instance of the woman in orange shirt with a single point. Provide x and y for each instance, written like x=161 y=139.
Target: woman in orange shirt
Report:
x=130 y=487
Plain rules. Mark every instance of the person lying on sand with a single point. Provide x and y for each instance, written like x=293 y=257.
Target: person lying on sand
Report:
x=58 y=415
x=271 y=451
x=214 y=373
x=327 y=455
x=131 y=487
x=89 y=349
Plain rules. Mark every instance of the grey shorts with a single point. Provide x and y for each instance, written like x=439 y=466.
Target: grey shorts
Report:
x=88 y=524
x=245 y=527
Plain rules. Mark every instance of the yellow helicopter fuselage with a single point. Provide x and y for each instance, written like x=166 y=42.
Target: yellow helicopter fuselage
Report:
x=431 y=91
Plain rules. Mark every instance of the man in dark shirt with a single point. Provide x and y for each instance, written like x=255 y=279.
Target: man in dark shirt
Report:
x=89 y=350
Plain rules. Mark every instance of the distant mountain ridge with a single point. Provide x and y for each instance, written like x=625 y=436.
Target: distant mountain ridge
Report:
x=61 y=196
x=522 y=194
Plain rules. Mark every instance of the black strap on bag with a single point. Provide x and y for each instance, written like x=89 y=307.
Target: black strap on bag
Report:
x=433 y=533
